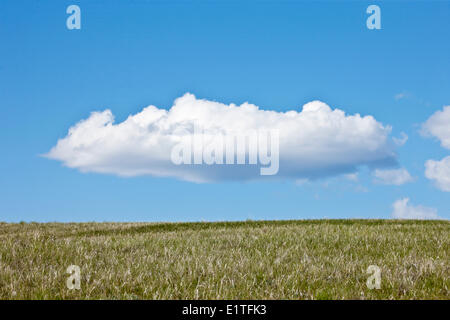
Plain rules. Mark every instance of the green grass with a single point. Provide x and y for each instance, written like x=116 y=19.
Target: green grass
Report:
x=312 y=259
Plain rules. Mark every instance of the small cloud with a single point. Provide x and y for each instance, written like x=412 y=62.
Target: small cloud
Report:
x=361 y=189
x=401 y=140
x=301 y=182
x=402 y=95
x=438 y=126
x=351 y=176
x=403 y=210
x=411 y=98
x=439 y=172
x=393 y=176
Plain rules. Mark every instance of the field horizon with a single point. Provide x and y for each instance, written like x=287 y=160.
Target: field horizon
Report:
x=262 y=259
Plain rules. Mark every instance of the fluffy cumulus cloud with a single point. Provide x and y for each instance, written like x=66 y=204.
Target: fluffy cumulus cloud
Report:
x=439 y=172
x=438 y=125
x=392 y=176
x=316 y=141
x=402 y=209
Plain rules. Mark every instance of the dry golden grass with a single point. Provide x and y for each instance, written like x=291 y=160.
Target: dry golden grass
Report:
x=325 y=259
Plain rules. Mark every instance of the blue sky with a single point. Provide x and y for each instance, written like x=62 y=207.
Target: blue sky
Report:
x=276 y=55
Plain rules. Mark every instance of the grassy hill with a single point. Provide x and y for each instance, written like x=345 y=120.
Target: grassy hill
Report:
x=311 y=259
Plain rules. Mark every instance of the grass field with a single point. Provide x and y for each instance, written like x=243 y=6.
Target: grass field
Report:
x=315 y=259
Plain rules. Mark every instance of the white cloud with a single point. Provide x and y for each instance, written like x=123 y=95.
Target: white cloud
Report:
x=352 y=176
x=392 y=176
x=401 y=95
x=403 y=210
x=361 y=189
x=439 y=171
x=402 y=140
x=315 y=142
x=301 y=182
x=438 y=125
